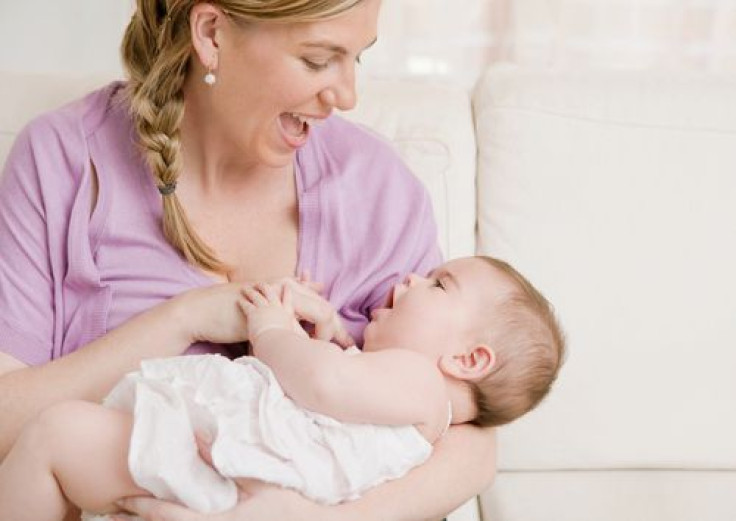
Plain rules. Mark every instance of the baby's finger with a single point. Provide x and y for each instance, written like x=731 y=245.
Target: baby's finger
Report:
x=324 y=331
x=270 y=293
x=343 y=339
x=245 y=306
x=287 y=298
x=255 y=296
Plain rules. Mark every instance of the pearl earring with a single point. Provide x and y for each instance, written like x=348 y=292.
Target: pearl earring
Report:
x=210 y=78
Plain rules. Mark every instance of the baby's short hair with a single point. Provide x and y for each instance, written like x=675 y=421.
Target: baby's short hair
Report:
x=529 y=346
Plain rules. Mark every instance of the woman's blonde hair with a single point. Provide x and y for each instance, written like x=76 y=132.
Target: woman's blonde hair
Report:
x=156 y=52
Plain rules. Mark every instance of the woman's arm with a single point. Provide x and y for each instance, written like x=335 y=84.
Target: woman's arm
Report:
x=90 y=372
x=462 y=465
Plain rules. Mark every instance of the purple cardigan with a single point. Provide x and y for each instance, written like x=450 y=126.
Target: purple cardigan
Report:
x=67 y=278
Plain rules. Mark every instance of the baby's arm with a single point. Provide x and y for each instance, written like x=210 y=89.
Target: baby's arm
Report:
x=75 y=451
x=391 y=387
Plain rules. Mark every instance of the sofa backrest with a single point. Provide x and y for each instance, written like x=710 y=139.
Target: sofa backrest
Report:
x=615 y=192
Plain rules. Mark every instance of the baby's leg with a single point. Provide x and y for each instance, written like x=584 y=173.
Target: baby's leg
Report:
x=75 y=451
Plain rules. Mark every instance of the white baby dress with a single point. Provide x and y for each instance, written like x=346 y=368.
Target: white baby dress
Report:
x=257 y=432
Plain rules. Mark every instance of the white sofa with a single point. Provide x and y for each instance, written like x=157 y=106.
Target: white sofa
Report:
x=615 y=193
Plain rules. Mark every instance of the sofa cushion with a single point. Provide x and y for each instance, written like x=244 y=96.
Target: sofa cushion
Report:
x=611 y=496
x=615 y=192
x=431 y=125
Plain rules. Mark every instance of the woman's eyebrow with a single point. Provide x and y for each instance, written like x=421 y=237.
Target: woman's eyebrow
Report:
x=330 y=46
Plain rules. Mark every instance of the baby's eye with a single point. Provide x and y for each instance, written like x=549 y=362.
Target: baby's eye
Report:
x=438 y=284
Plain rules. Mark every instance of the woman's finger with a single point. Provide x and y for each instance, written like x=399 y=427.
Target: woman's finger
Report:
x=317 y=287
x=204 y=448
x=311 y=307
x=152 y=509
x=249 y=486
x=305 y=286
x=305 y=279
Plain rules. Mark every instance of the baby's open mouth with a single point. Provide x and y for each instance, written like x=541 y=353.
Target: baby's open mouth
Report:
x=390 y=298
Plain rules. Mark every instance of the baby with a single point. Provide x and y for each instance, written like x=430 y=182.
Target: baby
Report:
x=472 y=343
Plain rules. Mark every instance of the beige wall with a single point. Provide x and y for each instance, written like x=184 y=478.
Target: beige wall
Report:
x=453 y=39
x=74 y=36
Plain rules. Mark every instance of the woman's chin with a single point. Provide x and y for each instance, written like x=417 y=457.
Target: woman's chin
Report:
x=277 y=159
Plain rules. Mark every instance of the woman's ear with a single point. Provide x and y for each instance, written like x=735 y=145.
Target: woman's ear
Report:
x=206 y=22
x=473 y=365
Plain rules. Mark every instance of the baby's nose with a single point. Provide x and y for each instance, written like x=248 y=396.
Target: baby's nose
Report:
x=412 y=279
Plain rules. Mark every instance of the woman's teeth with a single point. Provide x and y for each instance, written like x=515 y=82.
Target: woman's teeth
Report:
x=304 y=119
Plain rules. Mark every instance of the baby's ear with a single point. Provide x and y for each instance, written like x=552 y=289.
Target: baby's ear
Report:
x=472 y=365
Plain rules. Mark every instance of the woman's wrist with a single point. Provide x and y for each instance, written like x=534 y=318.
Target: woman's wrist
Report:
x=178 y=318
x=342 y=512
x=350 y=511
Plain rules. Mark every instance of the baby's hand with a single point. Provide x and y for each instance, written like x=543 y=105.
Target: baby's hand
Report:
x=312 y=307
x=266 y=309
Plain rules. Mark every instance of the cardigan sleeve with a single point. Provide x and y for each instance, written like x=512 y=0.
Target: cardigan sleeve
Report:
x=36 y=188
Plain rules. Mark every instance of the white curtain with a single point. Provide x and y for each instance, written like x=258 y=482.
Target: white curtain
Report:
x=452 y=39
x=457 y=39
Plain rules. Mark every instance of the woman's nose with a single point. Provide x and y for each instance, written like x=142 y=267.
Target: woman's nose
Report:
x=341 y=93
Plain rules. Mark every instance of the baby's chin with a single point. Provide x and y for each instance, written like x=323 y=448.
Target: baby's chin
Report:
x=370 y=340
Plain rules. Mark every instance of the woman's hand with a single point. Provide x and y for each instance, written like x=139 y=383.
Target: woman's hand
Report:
x=257 y=502
x=212 y=314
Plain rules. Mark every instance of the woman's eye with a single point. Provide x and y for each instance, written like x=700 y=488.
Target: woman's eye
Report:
x=438 y=284
x=315 y=66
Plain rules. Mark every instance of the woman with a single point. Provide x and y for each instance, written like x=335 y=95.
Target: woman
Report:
x=217 y=162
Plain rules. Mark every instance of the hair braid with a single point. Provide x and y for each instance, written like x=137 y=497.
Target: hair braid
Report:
x=155 y=51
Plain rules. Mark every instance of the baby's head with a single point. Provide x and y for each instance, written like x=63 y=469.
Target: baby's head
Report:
x=493 y=335
x=528 y=346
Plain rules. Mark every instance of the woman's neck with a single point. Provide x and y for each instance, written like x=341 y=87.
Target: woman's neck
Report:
x=212 y=159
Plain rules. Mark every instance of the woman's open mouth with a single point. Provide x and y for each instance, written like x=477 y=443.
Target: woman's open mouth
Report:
x=295 y=128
